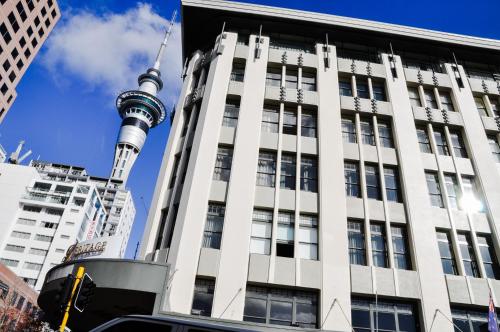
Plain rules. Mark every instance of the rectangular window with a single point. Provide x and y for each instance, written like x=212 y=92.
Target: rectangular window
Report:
x=266 y=169
x=379 y=91
x=38 y=252
x=452 y=190
x=291 y=79
x=27 y=222
x=356 y=235
x=468 y=255
x=434 y=189
x=270 y=119
x=203 y=297
x=281 y=306
x=9 y=262
x=371 y=315
x=385 y=134
x=423 y=140
x=308 y=81
x=290 y=122
x=231 y=112
x=308 y=237
x=471 y=196
x=481 y=108
x=175 y=168
x=470 y=319
x=273 y=77
x=458 y=144
x=400 y=247
x=14 y=248
x=495 y=106
x=487 y=251
x=262 y=225
x=362 y=88
x=367 y=135
x=345 y=87
x=222 y=170
x=441 y=144
x=20 y=235
x=43 y=238
x=309 y=174
x=238 y=71
x=414 y=97
x=285 y=236
x=32 y=266
x=446 y=252
x=392 y=187
x=372 y=182
x=379 y=248
x=495 y=147
x=351 y=175
x=213 y=226
x=349 y=130
x=430 y=98
x=446 y=101
x=308 y=124
x=288 y=172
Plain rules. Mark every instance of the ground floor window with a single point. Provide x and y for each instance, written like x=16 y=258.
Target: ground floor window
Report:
x=369 y=315
x=203 y=297
x=281 y=307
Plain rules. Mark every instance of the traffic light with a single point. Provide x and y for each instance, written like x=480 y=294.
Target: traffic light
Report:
x=85 y=293
x=63 y=295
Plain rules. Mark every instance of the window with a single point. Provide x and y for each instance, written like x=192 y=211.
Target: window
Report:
x=273 y=77
x=290 y=122
x=385 y=134
x=345 y=88
x=43 y=238
x=9 y=262
x=308 y=81
x=356 y=235
x=20 y=235
x=452 y=190
x=270 y=119
x=47 y=224
x=488 y=255
x=14 y=248
x=38 y=252
x=308 y=174
x=441 y=144
x=430 y=98
x=262 y=225
x=291 y=79
x=285 y=236
x=281 y=307
x=372 y=181
x=446 y=252
x=367 y=136
x=379 y=248
x=400 y=247
x=266 y=169
x=177 y=160
x=414 y=97
x=55 y=212
x=470 y=320
x=222 y=170
x=24 y=221
x=379 y=91
x=392 y=189
x=13 y=22
x=21 y=11
x=423 y=140
x=495 y=147
x=362 y=88
x=203 y=297
x=238 y=71
x=370 y=315
x=351 y=174
x=231 y=111
x=32 y=266
x=308 y=237
x=308 y=124
x=446 y=102
x=468 y=255
x=288 y=172
x=434 y=189
x=495 y=106
x=458 y=144
x=349 y=130
x=64 y=236
x=213 y=226
x=481 y=108
x=31 y=208
x=471 y=198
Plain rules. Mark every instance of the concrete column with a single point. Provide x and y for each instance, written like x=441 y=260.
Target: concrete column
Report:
x=333 y=245
x=229 y=299
x=420 y=224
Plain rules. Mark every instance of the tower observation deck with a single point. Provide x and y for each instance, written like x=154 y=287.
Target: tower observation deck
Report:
x=140 y=111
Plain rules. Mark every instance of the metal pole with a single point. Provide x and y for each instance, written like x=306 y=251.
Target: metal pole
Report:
x=79 y=276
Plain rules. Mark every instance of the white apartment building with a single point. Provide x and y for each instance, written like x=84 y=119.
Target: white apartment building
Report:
x=330 y=173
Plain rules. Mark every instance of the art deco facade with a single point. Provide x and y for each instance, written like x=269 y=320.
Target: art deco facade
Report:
x=328 y=172
x=24 y=27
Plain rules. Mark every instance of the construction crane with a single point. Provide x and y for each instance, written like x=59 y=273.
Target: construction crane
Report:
x=15 y=157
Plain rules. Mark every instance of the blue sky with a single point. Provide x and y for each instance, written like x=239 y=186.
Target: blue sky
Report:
x=65 y=106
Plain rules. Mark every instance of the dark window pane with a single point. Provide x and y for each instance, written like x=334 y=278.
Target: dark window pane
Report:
x=360 y=318
x=386 y=321
x=281 y=313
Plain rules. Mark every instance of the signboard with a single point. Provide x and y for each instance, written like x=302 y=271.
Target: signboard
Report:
x=101 y=247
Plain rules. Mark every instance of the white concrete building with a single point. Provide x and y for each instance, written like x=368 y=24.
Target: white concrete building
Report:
x=330 y=172
x=3 y=154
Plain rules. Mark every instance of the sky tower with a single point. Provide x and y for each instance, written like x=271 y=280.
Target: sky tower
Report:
x=140 y=110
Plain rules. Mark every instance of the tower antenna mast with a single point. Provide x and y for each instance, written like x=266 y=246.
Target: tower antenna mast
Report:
x=165 y=40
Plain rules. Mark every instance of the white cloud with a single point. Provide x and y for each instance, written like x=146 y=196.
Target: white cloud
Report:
x=109 y=52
